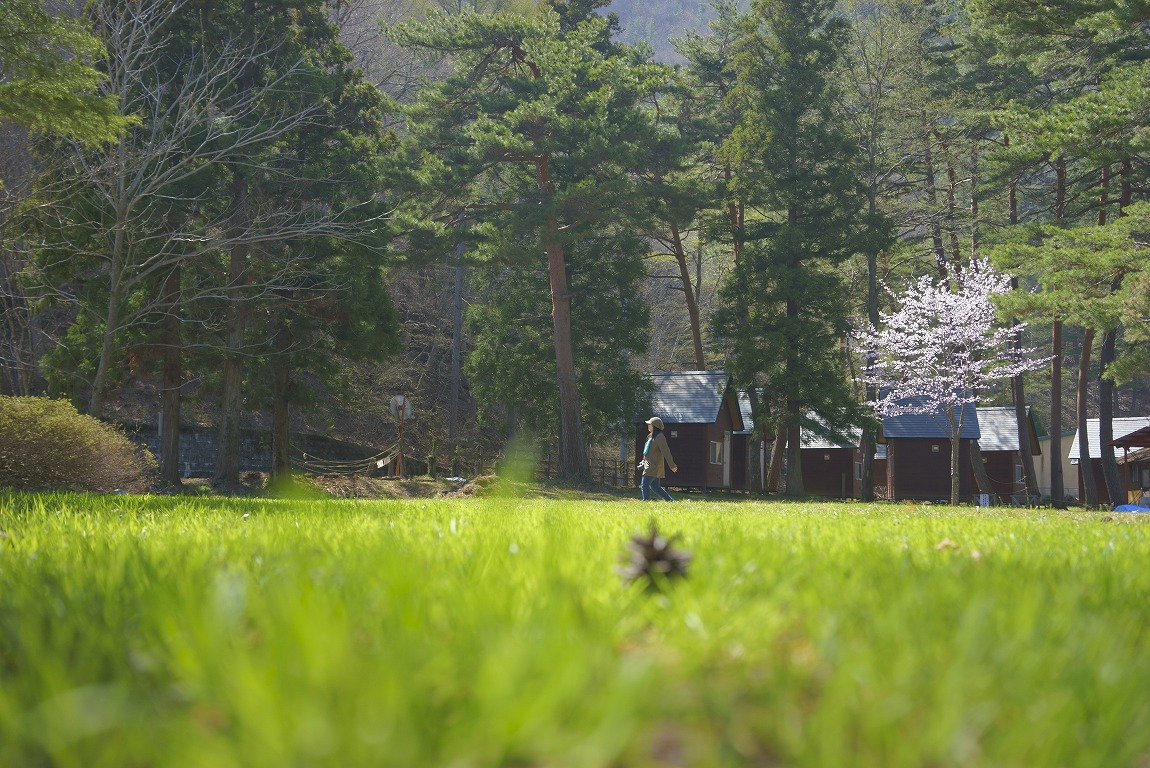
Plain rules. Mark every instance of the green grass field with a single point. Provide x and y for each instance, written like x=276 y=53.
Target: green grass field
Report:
x=142 y=631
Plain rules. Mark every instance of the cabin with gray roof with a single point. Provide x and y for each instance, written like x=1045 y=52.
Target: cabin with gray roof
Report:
x=1001 y=455
x=828 y=460
x=1132 y=471
x=700 y=413
x=832 y=465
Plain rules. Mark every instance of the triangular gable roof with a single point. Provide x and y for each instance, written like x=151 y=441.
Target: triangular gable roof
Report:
x=998 y=429
x=689 y=397
x=1122 y=428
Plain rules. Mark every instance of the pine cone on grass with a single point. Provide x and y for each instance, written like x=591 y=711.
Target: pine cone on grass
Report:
x=654 y=559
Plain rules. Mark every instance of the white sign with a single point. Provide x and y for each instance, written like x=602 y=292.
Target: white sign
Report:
x=399 y=404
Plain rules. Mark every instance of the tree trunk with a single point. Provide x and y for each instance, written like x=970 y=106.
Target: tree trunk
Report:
x=17 y=337
x=98 y=395
x=1126 y=186
x=930 y=184
x=689 y=293
x=981 y=478
x=795 y=485
x=775 y=470
x=1057 y=484
x=867 y=449
x=456 y=347
x=758 y=438
x=1085 y=467
x=869 y=437
x=574 y=464
x=281 y=406
x=1110 y=475
x=172 y=360
x=1103 y=194
x=955 y=450
x=951 y=192
x=1022 y=419
x=227 y=469
x=1017 y=386
x=736 y=217
x=975 y=241
x=1057 y=481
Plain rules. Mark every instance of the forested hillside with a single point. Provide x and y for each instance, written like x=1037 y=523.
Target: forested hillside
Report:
x=501 y=210
x=657 y=22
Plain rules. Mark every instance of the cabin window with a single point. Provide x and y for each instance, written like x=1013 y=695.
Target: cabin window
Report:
x=934 y=449
x=716 y=452
x=674 y=433
x=826 y=457
x=858 y=470
x=1018 y=476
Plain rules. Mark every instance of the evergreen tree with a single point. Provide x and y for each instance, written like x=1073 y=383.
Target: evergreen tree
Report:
x=1091 y=60
x=535 y=137
x=49 y=76
x=512 y=366
x=249 y=191
x=784 y=313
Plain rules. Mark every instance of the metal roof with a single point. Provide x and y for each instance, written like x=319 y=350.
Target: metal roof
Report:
x=930 y=425
x=998 y=428
x=818 y=435
x=688 y=397
x=745 y=413
x=1122 y=427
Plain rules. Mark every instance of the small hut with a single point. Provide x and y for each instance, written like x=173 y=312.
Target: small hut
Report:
x=1122 y=428
x=918 y=456
x=828 y=461
x=700 y=413
x=1001 y=455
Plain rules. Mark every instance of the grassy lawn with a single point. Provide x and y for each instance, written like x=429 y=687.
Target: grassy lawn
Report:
x=145 y=631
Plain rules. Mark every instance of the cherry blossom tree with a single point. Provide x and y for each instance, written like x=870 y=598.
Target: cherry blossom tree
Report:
x=941 y=348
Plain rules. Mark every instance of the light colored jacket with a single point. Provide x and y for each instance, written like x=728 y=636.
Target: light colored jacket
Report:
x=655 y=451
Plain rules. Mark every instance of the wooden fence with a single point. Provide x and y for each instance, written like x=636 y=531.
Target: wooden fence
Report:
x=620 y=474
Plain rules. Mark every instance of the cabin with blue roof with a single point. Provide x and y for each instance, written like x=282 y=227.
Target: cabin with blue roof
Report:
x=918 y=455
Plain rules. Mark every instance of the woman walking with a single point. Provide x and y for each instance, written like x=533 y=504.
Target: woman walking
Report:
x=655 y=452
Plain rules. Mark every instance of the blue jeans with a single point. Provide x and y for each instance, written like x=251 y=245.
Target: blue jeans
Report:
x=653 y=485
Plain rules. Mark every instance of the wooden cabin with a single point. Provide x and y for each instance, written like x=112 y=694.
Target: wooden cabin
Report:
x=831 y=467
x=1134 y=464
x=829 y=463
x=1122 y=429
x=1001 y=456
x=918 y=456
x=700 y=413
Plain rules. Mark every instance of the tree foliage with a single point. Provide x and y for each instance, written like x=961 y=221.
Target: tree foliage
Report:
x=941 y=349
x=49 y=76
x=535 y=138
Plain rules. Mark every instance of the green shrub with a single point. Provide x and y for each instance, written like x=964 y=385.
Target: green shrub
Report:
x=46 y=444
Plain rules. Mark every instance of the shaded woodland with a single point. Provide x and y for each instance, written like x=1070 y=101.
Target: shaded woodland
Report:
x=508 y=211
